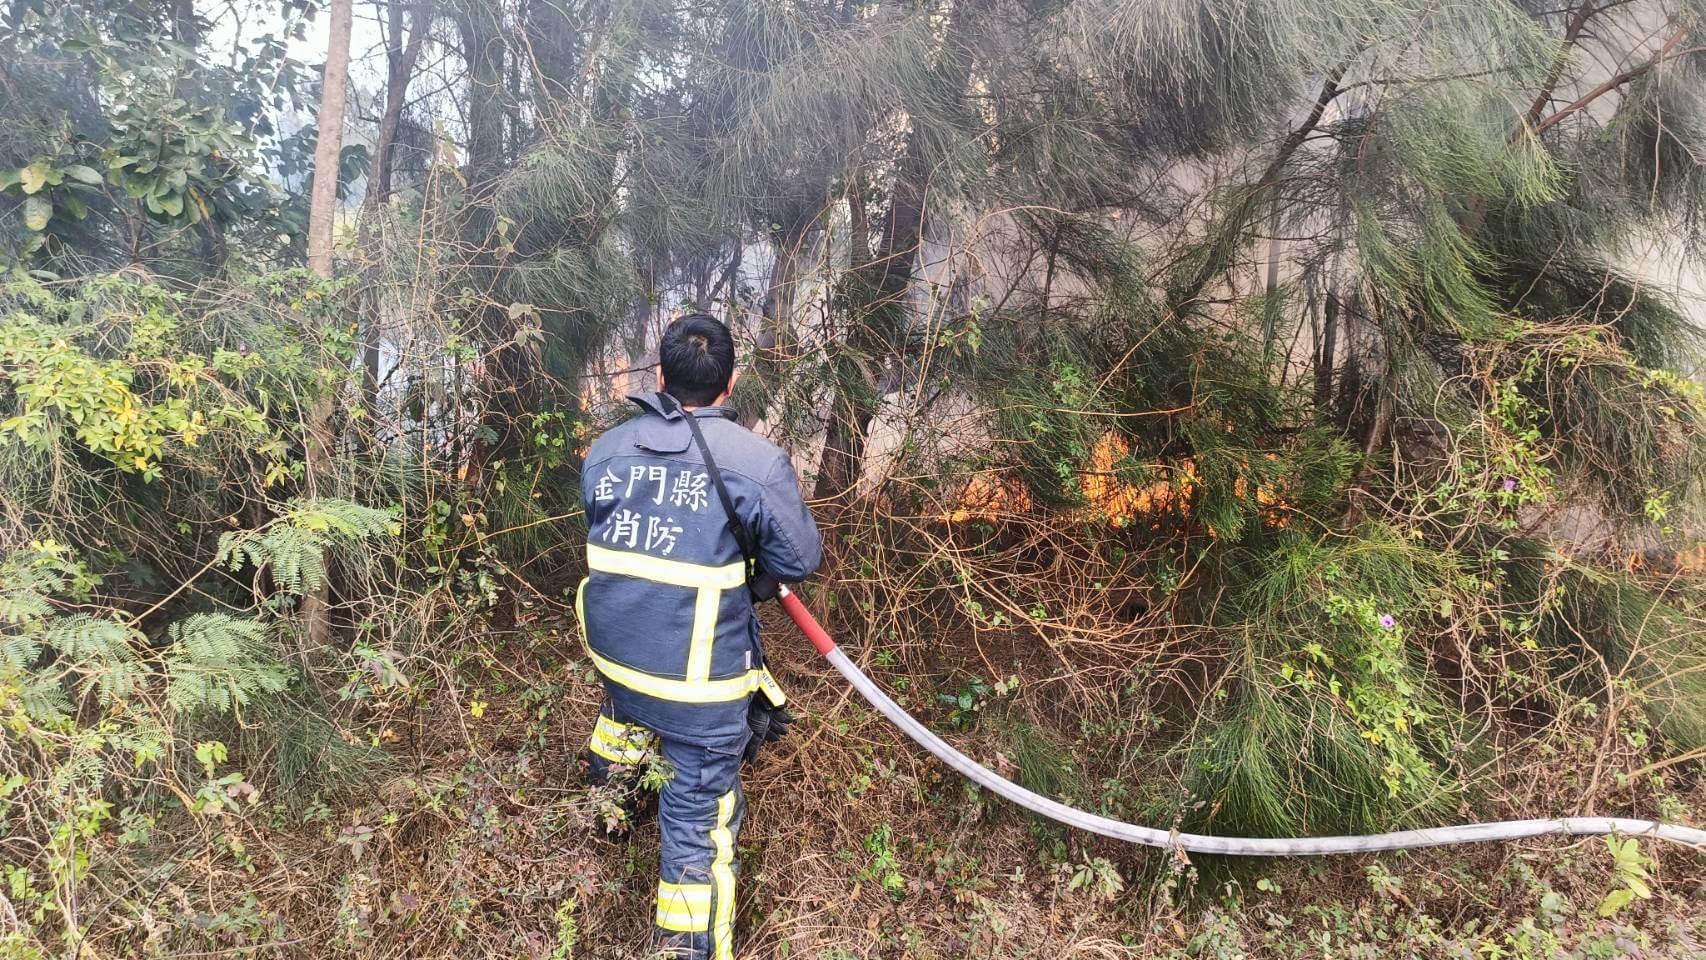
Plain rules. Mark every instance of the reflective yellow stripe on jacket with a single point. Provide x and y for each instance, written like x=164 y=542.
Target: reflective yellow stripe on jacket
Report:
x=673 y=572
x=710 y=582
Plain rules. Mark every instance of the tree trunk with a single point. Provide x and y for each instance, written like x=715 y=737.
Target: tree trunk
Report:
x=1271 y=306
x=850 y=417
x=1572 y=34
x=1385 y=407
x=877 y=292
x=507 y=371
x=878 y=312
x=1328 y=351
x=329 y=140
x=776 y=331
x=728 y=282
x=638 y=380
x=554 y=58
x=401 y=56
x=322 y=202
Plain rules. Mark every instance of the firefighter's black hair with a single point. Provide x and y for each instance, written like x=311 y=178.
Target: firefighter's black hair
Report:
x=697 y=355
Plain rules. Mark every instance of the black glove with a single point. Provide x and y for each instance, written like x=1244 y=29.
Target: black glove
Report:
x=768 y=725
x=763 y=587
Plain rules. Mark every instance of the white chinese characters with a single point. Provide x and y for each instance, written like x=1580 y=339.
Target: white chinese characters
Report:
x=641 y=473
x=623 y=528
x=660 y=534
x=689 y=490
x=685 y=488
x=605 y=488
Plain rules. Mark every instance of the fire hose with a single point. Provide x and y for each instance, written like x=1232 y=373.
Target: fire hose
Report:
x=1200 y=843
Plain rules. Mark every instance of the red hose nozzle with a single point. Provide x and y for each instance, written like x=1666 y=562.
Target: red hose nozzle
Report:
x=806 y=622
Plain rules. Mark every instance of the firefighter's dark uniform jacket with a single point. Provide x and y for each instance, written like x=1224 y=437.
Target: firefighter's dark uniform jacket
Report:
x=669 y=624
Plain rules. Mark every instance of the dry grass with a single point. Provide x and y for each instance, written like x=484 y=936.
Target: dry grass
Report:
x=482 y=831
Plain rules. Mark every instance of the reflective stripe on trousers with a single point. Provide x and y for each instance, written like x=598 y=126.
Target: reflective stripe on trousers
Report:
x=618 y=742
x=699 y=817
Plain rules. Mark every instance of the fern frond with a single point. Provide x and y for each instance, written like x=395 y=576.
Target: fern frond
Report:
x=88 y=639
x=293 y=547
x=29 y=576
x=43 y=698
x=100 y=653
x=84 y=771
x=18 y=652
x=217 y=662
x=339 y=519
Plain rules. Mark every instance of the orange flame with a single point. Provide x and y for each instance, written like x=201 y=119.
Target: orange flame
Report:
x=1107 y=498
x=986 y=497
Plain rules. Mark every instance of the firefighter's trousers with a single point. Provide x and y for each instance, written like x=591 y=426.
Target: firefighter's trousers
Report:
x=699 y=814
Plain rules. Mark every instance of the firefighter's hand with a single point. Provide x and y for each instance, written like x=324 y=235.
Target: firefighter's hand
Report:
x=768 y=725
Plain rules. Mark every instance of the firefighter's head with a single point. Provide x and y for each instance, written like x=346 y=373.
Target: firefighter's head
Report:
x=696 y=360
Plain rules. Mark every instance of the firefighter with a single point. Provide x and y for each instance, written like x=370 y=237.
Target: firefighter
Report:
x=685 y=528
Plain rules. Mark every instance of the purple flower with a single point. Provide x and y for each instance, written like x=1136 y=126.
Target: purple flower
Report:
x=1388 y=621
x=242 y=349
x=1510 y=484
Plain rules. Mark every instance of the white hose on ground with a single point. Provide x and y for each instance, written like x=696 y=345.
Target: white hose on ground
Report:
x=1245 y=846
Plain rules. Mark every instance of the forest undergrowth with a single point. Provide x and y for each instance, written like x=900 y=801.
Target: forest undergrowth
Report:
x=209 y=784
x=475 y=836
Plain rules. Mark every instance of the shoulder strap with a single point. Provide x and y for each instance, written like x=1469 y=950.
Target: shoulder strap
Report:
x=742 y=537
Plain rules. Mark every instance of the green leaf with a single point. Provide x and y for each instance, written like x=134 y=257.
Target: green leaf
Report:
x=173 y=205
x=34 y=176
x=9 y=178
x=1615 y=901
x=78 y=171
x=74 y=205
x=37 y=212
